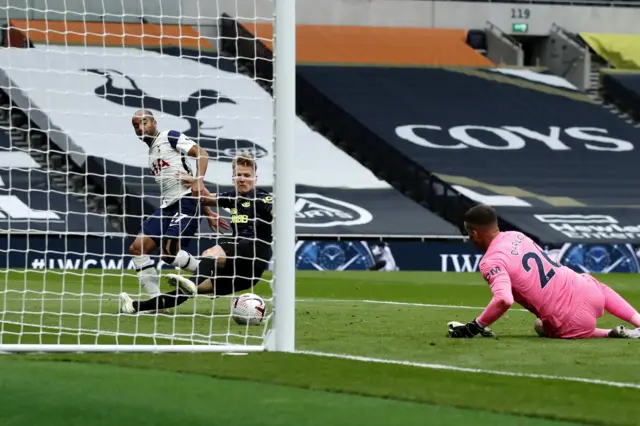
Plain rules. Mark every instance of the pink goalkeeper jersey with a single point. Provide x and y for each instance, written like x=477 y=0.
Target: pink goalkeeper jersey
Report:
x=518 y=270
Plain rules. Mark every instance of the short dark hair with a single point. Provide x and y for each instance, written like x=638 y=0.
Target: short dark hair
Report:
x=480 y=216
x=143 y=112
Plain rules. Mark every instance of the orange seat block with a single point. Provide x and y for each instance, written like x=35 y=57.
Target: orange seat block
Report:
x=109 y=33
x=378 y=45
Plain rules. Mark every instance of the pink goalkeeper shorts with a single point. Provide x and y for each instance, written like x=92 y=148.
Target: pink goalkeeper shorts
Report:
x=587 y=305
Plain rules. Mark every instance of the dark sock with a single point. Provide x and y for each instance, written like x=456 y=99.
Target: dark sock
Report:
x=379 y=265
x=164 y=301
x=207 y=269
x=224 y=287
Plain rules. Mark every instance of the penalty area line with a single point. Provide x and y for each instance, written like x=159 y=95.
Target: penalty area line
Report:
x=474 y=370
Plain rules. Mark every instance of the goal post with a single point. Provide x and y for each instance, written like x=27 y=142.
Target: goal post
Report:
x=284 y=177
x=76 y=184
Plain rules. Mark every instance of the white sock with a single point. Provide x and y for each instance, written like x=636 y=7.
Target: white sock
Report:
x=184 y=260
x=147 y=275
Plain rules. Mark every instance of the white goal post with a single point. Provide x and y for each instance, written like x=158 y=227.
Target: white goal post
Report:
x=75 y=179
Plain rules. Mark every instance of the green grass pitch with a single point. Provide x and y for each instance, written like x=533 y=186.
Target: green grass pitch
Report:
x=387 y=316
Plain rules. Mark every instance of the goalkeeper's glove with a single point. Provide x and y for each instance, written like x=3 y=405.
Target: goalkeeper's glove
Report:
x=468 y=330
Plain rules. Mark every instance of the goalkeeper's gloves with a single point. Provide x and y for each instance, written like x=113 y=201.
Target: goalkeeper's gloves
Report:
x=468 y=330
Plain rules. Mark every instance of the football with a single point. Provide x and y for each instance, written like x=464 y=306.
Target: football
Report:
x=248 y=309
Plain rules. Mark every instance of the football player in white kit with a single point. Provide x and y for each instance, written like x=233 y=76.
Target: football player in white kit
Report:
x=180 y=210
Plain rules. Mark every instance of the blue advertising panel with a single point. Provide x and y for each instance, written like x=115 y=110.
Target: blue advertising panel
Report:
x=57 y=252
x=112 y=253
x=598 y=258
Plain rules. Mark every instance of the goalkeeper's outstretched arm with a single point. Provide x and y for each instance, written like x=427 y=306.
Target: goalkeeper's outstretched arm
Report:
x=500 y=284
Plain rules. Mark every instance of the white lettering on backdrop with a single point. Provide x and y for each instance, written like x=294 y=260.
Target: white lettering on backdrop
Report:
x=513 y=137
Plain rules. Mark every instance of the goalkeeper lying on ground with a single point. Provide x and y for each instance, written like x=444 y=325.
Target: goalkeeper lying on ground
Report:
x=566 y=304
x=230 y=266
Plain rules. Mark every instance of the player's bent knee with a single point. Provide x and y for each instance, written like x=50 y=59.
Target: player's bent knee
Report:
x=208 y=253
x=137 y=247
x=142 y=245
x=215 y=251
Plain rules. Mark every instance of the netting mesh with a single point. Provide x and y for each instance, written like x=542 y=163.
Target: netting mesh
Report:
x=76 y=182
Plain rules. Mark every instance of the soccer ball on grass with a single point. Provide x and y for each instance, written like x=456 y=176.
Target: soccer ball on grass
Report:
x=248 y=309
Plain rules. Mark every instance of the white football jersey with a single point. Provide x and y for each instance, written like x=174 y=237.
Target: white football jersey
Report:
x=384 y=253
x=167 y=158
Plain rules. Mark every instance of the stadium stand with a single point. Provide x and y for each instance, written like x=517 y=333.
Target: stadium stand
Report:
x=621 y=51
x=448 y=138
x=378 y=45
x=547 y=148
x=69 y=32
x=37 y=190
x=623 y=90
x=336 y=194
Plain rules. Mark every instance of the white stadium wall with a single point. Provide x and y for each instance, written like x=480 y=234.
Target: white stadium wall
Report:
x=444 y=14
x=407 y=13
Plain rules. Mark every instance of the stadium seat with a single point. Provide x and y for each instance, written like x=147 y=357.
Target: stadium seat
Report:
x=621 y=51
x=109 y=33
x=521 y=136
x=33 y=196
x=477 y=39
x=380 y=45
x=623 y=89
x=224 y=112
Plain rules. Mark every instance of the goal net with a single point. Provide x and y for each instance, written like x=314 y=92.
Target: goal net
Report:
x=77 y=183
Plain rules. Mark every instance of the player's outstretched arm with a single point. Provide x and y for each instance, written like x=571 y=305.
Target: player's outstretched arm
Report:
x=207 y=198
x=495 y=272
x=215 y=222
x=202 y=163
x=470 y=329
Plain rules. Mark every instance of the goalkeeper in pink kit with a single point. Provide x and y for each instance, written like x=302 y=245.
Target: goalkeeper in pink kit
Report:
x=565 y=303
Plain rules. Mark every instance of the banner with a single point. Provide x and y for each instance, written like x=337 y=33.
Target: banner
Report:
x=30 y=201
x=207 y=100
x=453 y=257
x=581 y=225
x=386 y=256
x=112 y=253
x=527 y=148
x=597 y=258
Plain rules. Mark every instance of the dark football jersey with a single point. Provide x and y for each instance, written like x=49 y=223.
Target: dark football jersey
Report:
x=250 y=214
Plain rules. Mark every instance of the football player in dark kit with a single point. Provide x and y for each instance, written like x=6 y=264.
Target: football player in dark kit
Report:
x=230 y=266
